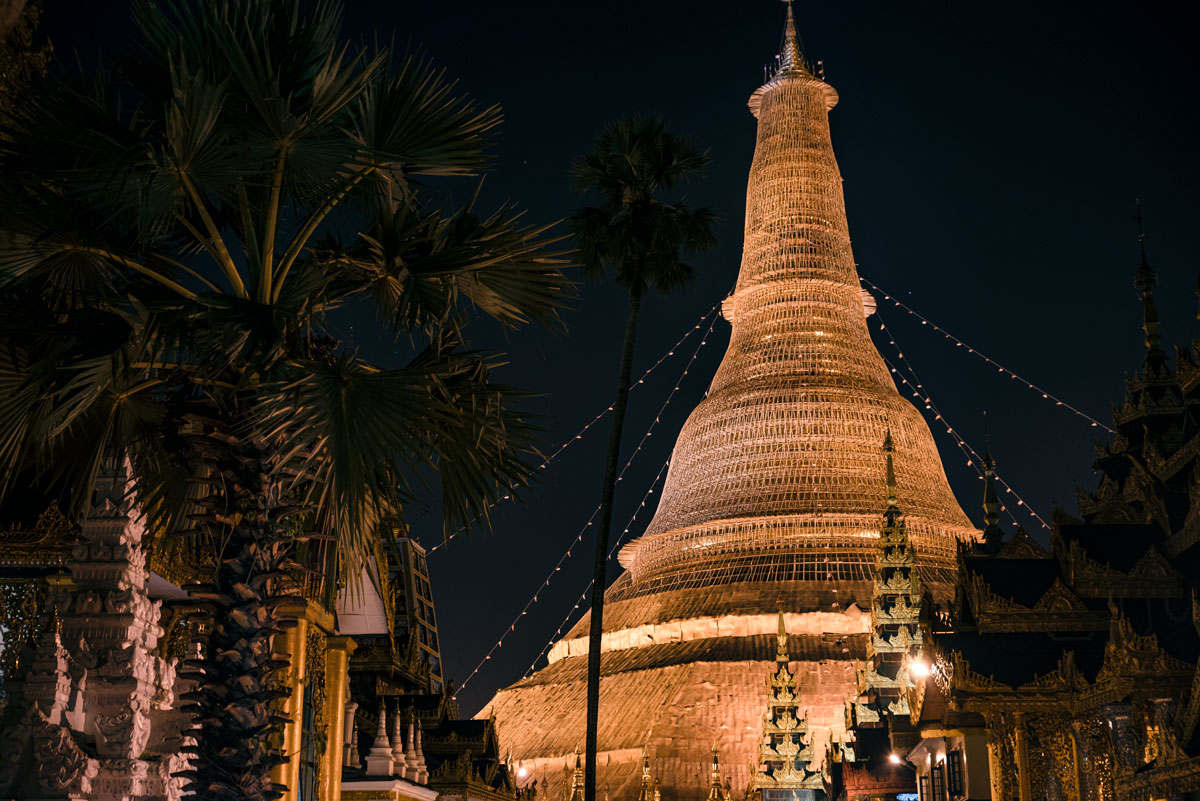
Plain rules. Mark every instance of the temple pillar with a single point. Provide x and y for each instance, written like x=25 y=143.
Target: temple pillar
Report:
x=300 y=617
x=1024 y=787
x=336 y=660
x=995 y=765
x=291 y=646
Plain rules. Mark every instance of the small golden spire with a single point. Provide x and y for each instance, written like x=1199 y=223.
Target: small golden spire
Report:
x=791 y=60
x=646 y=793
x=716 y=790
x=577 y=779
x=781 y=640
x=889 y=448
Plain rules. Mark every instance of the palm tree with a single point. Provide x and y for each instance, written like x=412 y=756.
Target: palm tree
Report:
x=639 y=238
x=172 y=280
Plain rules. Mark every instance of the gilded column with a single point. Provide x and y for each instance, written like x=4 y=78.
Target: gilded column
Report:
x=337 y=658
x=999 y=760
x=292 y=647
x=1023 y=777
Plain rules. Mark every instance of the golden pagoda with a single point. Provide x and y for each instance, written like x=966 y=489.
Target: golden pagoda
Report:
x=773 y=492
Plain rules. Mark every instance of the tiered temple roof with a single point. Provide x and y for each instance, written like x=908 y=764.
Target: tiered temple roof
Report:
x=785 y=753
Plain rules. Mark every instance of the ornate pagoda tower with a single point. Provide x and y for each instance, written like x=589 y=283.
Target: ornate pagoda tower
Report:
x=785 y=750
x=773 y=493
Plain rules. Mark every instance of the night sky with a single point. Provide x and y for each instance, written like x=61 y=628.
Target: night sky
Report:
x=991 y=156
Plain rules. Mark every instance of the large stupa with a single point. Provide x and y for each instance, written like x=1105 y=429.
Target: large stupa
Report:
x=774 y=498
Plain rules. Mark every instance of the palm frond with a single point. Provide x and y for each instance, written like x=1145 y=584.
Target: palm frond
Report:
x=415 y=123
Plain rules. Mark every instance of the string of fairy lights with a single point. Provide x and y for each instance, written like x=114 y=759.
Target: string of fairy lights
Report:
x=1000 y=368
x=563 y=626
x=591 y=518
x=974 y=460
x=579 y=434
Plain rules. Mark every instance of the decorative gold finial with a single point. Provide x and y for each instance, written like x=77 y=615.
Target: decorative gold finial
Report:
x=889 y=448
x=647 y=790
x=781 y=639
x=1145 y=279
x=790 y=58
x=576 y=791
x=716 y=791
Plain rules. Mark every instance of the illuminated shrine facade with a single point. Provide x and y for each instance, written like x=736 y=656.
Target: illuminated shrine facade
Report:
x=773 y=499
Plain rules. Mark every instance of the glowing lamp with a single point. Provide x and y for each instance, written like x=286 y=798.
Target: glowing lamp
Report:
x=919 y=669
x=894 y=759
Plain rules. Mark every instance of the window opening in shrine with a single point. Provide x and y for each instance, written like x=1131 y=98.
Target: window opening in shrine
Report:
x=954 y=774
x=938 y=782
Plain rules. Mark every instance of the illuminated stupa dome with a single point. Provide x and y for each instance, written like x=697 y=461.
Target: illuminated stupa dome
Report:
x=775 y=494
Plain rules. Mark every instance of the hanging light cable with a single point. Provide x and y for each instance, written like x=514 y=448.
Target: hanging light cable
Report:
x=975 y=351
x=579 y=434
x=581 y=601
x=579 y=536
x=974 y=460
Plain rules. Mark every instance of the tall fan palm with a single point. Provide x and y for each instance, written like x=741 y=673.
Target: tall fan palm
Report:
x=640 y=239
x=171 y=273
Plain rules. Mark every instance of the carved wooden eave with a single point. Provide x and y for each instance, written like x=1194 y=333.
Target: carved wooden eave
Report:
x=1175 y=779
x=901 y=611
x=1127 y=411
x=1152 y=576
x=899 y=643
x=461 y=777
x=1058 y=599
x=47 y=543
x=1130 y=655
x=1186 y=370
x=1063 y=688
x=1112 y=503
x=1169 y=467
x=1022 y=546
x=1057 y=610
x=872 y=680
x=899 y=585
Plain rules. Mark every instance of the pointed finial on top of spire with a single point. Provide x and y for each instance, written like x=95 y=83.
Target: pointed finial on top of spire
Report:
x=790 y=63
x=790 y=58
x=646 y=793
x=716 y=790
x=1145 y=280
x=992 y=535
x=576 y=791
x=781 y=640
x=888 y=449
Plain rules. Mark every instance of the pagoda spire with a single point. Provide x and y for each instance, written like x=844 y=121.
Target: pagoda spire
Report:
x=646 y=793
x=716 y=790
x=992 y=535
x=896 y=635
x=791 y=60
x=576 y=791
x=784 y=752
x=889 y=448
x=781 y=641
x=1145 y=280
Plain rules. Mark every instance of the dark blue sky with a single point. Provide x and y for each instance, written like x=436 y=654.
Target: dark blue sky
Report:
x=991 y=156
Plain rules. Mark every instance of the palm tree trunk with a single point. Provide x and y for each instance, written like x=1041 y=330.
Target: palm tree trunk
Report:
x=235 y=697
x=600 y=581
